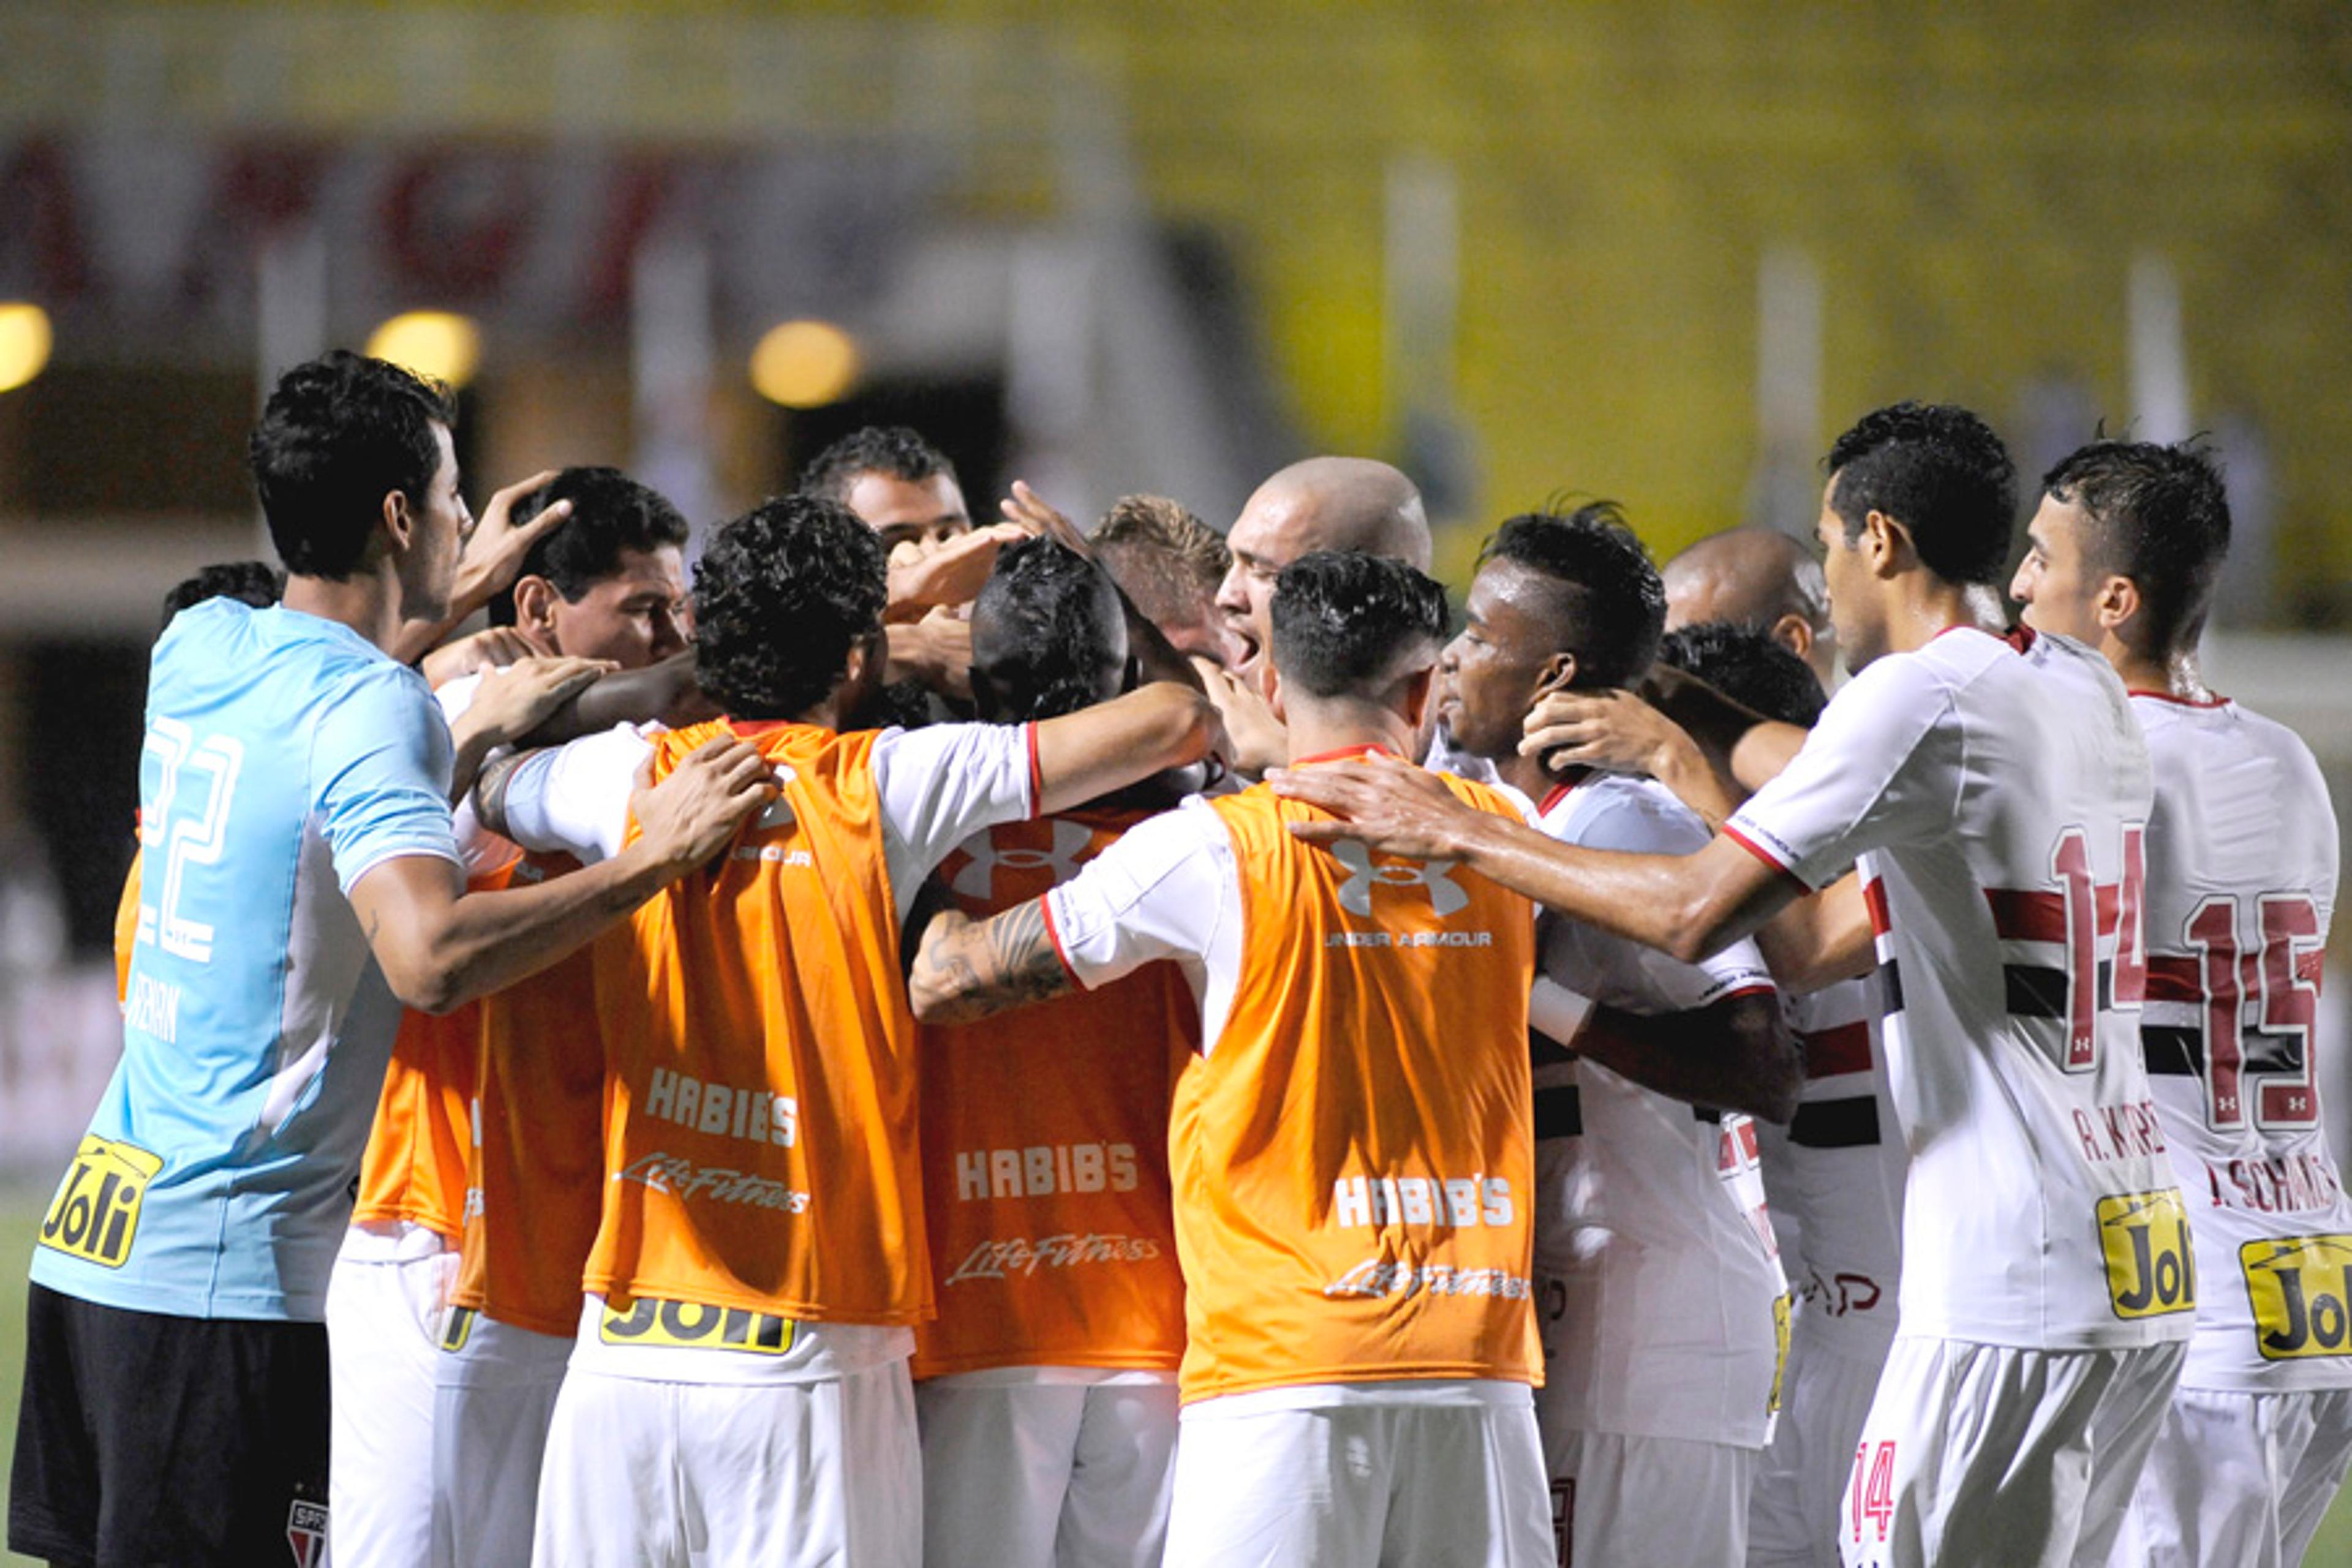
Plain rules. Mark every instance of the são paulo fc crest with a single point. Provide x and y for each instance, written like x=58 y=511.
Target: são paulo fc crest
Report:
x=306 y=1533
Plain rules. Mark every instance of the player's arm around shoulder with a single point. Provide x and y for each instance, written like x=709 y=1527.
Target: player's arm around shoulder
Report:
x=1088 y=754
x=440 y=947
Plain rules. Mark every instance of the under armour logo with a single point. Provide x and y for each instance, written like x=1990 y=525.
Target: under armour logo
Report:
x=976 y=879
x=1355 y=892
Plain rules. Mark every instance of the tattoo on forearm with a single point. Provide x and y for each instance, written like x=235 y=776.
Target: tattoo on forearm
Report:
x=969 y=969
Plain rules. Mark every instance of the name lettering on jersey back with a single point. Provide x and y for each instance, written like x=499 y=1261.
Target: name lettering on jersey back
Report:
x=153 y=1008
x=683 y=1178
x=1453 y=1201
x=753 y=1115
x=2284 y=1184
x=1043 y=1170
x=2120 y=1132
x=1020 y=1255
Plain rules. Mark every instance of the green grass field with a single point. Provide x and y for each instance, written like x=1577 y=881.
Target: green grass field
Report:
x=20 y=1216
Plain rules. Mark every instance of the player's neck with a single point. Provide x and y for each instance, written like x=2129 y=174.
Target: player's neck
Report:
x=2173 y=674
x=1925 y=607
x=369 y=603
x=1526 y=774
x=1319 y=728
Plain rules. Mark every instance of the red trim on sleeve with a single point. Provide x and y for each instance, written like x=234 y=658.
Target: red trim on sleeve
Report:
x=1758 y=990
x=1873 y=899
x=1766 y=856
x=1037 y=785
x=1054 y=935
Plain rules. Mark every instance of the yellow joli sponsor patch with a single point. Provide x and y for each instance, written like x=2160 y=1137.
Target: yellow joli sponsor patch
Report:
x=2151 y=1270
x=96 y=1213
x=458 y=1328
x=694 y=1326
x=2301 y=1288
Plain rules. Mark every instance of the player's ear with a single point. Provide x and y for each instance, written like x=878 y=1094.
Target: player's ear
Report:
x=399 y=520
x=1795 y=633
x=2117 y=603
x=534 y=603
x=1413 y=699
x=1885 y=543
x=1269 y=686
x=1559 y=674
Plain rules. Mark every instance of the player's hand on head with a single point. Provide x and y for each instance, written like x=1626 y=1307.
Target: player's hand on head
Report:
x=1613 y=730
x=1390 y=805
x=487 y=649
x=927 y=574
x=690 y=816
x=935 y=650
x=513 y=701
x=1253 y=740
x=495 y=551
x=1033 y=514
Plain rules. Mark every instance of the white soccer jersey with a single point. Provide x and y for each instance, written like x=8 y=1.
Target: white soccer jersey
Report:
x=1996 y=792
x=2241 y=884
x=1836 y=1174
x=1649 y=1212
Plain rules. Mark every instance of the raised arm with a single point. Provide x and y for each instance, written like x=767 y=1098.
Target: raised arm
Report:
x=966 y=969
x=440 y=946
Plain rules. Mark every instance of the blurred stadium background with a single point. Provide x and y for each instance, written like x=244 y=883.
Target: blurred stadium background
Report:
x=1660 y=253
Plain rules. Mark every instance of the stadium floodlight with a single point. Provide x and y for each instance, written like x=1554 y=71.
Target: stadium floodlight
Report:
x=24 y=340
x=438 y=343
x=805 y=364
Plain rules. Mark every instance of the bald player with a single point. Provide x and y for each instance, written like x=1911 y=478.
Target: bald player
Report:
x=1758 y=578
x=1321 y=504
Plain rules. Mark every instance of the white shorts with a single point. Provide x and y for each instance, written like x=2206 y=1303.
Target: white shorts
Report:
x=1033 y=1475
x=383 y=1329
x=2241 y=1478
x=715 y=1475
x=494 y=1394
x=1360 y=1485
x=2012 y=1458
x=1793 y=1513
x=1658 y=1502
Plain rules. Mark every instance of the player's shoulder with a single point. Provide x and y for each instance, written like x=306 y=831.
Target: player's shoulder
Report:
x=1622 y=812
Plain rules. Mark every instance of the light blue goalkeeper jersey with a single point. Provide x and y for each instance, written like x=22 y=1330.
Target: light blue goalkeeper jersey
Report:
x=285 y=757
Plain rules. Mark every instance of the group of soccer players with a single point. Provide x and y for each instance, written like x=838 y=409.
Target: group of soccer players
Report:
x=996 y=1045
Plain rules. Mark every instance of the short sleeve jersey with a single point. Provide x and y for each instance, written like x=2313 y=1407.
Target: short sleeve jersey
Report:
x=1046 y=1147
x=1351 y=1153
x=2241 y=874
x=1994 y=794
x=1646 y=1209
x=1836 y=1174
x=285 y=758
x=763 y=1214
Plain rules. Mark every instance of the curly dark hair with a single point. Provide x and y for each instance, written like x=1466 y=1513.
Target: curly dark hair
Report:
x=781 y=596
x=891 y=449
x=1615 y=609
x=1343 y=621
x=2160 y=516
x=1048 y=633
x=610 y=512
x=1941 y=472
x=1749 y=668
x=338 y=434
x=255 y=583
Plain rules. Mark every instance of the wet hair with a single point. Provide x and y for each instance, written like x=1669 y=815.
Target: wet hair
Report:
x=2158 y=515
x=1939 y=471
x=1048 y=633
x=1748 y=667
x=338 y=434
x=891 y=449
x=610 y=512
x=1614 y=609
x=781 y=596
x=255 y=583
x=1344 y=620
